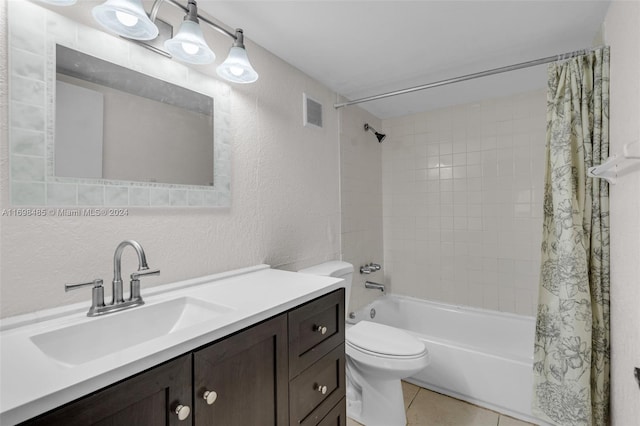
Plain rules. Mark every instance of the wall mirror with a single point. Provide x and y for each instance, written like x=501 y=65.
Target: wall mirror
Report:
x=99 y=121
x=116 y=123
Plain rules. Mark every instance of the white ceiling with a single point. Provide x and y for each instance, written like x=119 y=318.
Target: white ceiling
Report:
x=360 y=48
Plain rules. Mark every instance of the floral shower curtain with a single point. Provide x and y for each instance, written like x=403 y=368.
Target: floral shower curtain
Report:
x=571 y=354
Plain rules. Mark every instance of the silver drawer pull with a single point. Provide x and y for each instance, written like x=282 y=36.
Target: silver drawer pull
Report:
x=182 y=411
x=210 y=397
x=320 y=328
x=320 y=388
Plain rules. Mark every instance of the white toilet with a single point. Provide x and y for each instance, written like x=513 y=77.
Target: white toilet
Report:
x=378 y=357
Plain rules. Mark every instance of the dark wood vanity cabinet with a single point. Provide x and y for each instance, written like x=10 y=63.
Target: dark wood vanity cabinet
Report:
x=147 y=399
x=287 y=370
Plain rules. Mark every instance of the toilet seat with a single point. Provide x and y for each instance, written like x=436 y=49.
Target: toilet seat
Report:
x=382 y=352
x=383 y=341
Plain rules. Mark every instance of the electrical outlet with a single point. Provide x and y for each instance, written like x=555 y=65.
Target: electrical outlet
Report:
x=636 y=373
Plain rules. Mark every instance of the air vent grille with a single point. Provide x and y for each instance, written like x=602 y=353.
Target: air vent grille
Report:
x=312 y=111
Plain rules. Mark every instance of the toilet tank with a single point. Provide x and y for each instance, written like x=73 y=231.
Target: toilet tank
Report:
x=336 y=269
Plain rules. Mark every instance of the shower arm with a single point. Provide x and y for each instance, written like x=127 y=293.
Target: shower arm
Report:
x=379 y=136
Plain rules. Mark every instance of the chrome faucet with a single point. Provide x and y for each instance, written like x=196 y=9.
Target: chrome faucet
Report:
x=117 y=277
x=374 y=286
x=117 y=302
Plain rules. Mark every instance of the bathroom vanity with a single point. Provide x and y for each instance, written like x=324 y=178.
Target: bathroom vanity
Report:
x=277 y=359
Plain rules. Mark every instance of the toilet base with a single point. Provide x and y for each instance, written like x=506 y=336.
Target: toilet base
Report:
x=354 y=410
x=375 y=402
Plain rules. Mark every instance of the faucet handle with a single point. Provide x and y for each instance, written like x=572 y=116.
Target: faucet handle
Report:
x=97 y=295
x=135 y=284
x=366 y=269
x=144 y=273
x=96 y=283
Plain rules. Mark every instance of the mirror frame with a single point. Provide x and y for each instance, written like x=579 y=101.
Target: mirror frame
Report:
x=34 y=32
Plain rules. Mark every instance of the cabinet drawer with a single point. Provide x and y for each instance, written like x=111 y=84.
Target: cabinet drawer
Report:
x=308 y=403
x=337 y=416
x=315 y=329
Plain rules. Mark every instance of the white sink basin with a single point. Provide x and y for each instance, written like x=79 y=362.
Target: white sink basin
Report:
x=77 y=344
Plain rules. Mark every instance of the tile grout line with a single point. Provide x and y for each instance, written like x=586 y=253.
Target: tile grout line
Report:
x=413 y=399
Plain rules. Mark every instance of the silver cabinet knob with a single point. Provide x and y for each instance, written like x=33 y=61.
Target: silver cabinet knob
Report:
x=321 y=389
x=182 y=411
x=210 y=397
x=320 y=328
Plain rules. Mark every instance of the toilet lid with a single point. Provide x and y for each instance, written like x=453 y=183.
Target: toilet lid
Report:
x=383 y=339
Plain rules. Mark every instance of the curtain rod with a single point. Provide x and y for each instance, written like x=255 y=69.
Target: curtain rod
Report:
x=521 y=65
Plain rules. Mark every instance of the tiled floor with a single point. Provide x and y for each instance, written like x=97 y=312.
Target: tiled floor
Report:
x=427 y=408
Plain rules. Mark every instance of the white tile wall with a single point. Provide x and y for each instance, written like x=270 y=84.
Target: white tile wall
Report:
x=462 y=202
x=361 y=200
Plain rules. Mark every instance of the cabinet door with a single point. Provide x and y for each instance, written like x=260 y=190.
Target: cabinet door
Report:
x=148 y=399
x=248 y=373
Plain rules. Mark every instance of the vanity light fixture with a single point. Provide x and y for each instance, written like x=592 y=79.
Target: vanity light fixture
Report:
x=236 y=67
x=128 y=18
x=189 y=44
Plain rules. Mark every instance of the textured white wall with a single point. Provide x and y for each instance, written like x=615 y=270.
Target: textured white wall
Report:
x=622 y=33
x=462 y=197
x=285 y=208
x=361 y=199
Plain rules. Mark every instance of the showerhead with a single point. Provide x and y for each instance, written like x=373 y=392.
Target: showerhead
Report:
x=379 y=135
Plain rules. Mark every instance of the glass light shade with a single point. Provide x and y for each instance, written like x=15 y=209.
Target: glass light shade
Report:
x=189 y=45
x=126 y=18
x=60 y=2
x=237 y=68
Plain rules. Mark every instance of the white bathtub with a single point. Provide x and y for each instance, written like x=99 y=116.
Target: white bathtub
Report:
x=481 y=356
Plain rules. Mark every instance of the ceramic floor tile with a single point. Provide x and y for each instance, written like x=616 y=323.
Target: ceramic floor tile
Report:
x=409 y=392
x=432 y=409
x=509 y=421
x=351 y=422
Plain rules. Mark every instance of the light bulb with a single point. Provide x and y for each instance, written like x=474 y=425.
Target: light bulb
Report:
x=126 y=19
x=237 y=71
x=190 y=48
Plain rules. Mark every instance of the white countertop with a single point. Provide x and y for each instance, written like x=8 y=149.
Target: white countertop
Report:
x=32 y=383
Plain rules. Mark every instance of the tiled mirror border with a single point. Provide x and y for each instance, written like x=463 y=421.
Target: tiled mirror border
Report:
x=32 y=44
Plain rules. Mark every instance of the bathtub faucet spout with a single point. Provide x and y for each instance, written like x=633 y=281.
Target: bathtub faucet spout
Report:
x=375 y=286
